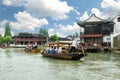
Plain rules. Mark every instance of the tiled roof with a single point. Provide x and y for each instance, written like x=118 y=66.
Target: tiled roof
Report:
x=93 y=19
x=64 y=39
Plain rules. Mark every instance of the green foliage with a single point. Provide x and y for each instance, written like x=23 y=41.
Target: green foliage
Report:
x=7 y=39
x=1 y=39
x=7 y=36
x=7 y=30
x=53 y=38
x=0 y=35
x=43 y=32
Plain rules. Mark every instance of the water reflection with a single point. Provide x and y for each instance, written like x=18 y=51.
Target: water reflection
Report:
x=7 y=52
x=15 y=64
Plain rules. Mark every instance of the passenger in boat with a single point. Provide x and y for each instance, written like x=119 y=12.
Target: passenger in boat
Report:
x=4 y=45
x=74 y=45
x=35 y=46
x=59 y=50
x=64 y=51
x=51 y=50
x=55 y=49
x=31 y=47
x=27 y=47
x=95 y=45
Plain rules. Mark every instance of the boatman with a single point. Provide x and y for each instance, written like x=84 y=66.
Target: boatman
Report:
x=74 y=45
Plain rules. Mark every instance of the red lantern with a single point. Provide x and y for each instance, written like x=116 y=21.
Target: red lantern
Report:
x=51 y=44
x=60 y=44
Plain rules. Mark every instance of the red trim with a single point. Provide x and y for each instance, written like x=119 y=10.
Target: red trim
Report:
x=91 y=35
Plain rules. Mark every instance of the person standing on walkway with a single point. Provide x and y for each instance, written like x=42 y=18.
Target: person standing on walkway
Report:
x=74 y=45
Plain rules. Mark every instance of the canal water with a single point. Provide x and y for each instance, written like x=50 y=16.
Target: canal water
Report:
x=15 y=64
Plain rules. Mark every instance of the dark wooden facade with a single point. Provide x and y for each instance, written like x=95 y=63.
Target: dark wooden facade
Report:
x=29 y=38
x=95 y=29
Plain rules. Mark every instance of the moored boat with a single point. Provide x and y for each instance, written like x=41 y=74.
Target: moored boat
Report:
x=4 y=46
x=33 y=50
x=68 y=56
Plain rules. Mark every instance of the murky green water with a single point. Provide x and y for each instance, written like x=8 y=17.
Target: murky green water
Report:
x=15 y=64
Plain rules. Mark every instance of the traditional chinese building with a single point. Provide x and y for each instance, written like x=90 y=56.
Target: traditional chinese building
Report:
x=116 y=36
x=97 y=30
x=29 y=38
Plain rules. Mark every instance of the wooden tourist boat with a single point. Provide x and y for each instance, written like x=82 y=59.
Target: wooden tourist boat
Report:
x=4 y=46
x=69 y=56
x=33 y=50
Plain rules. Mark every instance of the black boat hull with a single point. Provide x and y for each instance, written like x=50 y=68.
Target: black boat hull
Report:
x=71 y=56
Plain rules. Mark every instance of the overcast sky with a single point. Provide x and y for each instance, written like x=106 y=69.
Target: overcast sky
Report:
x=57 y=16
